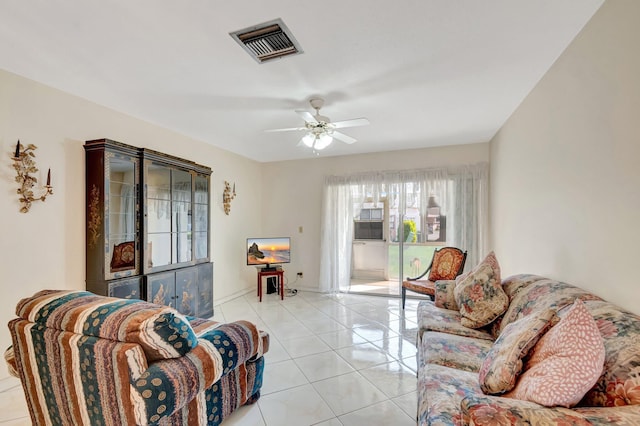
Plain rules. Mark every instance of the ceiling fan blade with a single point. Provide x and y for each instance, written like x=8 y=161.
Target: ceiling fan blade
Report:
x=344 y=138
x=354 y=122
x=307 y=116
x=289 y=129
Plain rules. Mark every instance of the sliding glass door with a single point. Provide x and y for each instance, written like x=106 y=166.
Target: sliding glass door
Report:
x=379 y=228
x=414 y=232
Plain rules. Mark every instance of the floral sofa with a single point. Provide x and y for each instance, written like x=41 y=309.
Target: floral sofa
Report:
x=451 y=358
x=87 y=359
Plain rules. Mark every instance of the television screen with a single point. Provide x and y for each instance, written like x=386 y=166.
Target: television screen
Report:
x=268 y=251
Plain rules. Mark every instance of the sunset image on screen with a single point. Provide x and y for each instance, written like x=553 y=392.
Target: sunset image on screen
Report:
x=262 y=251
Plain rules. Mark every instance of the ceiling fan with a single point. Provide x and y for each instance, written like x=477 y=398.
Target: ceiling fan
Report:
x=320 y=130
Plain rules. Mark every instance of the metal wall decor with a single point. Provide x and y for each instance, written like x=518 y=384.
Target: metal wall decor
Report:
x=227 y=196
x=25 y=164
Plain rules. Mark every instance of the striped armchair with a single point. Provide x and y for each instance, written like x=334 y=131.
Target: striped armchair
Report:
x=85 y=359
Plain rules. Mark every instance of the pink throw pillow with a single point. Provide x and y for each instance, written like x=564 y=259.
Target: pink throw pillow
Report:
x=503 y=363
x=565 y=363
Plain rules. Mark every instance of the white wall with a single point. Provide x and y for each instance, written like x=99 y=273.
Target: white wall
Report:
x=565 y=181
x=292 y=195
x=45 y=247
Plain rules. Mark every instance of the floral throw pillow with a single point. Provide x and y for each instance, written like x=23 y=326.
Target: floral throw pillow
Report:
x=444 y=297
x=480 y=295
x=565 y=363
x=503 y=363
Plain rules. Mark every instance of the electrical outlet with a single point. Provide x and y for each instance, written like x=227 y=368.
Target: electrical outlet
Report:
x=300 y=274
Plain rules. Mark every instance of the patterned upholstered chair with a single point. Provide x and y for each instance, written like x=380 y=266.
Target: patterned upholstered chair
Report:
x=447 y=263
x=85 y=359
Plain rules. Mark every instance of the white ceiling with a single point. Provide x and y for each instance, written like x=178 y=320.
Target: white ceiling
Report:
x=424 y=72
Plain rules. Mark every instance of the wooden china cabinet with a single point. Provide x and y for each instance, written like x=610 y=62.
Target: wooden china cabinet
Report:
x=148 y=227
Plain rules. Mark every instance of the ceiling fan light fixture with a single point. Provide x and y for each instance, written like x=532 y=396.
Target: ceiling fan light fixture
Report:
x=320 y=130
x=309 y=139
x=323 y=141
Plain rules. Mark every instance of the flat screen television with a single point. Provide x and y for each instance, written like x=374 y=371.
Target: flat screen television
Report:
x=268 y=251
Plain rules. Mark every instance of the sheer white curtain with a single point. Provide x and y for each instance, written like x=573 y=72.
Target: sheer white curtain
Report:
x=461 y=191
x=470 y=211
x=342 y=199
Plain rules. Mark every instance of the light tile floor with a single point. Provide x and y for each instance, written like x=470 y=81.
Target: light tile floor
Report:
x=334 y=360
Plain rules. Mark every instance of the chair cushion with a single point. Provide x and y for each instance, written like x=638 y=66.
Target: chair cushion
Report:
x=480 y=295
x=565 y=363
x=161 y=331
x=503 y=363
x=445 y=264
x=420 y=286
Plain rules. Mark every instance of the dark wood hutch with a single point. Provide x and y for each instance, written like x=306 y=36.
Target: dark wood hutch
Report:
x=148 y=231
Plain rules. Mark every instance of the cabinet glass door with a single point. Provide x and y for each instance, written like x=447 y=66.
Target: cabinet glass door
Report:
x=201 y=219
x=169 y=209
x=158 y=216
x=121 y=216
x=181 y=216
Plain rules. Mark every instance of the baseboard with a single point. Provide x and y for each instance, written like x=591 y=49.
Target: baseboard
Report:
x=252 y=289
x=234 y=295
x=369 y=274
x=310 y=289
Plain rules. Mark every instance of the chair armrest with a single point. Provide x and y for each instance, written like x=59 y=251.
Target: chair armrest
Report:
x=478 y=409
x=426 y=271
x=444 y=297
x=10 y=358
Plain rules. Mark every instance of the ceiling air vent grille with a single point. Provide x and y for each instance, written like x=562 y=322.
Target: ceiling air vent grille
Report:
x=267 y=41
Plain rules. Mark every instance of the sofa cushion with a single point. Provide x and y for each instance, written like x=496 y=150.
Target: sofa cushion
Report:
x=440 y=392
x=444 y=295
x=531 y=293
x=445 y=264
x=565 y=363
x=431 y=318
x=161 y=331
x=449 y=350
x=494 y=410
x=479 y=294
x=620 y=382
x=503 y=363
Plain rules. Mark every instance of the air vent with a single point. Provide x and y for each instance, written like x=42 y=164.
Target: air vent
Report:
x=267 y=41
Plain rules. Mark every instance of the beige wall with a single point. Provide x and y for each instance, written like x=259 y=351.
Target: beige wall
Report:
x=293 y=195
x=565 y=180
x=45 y=247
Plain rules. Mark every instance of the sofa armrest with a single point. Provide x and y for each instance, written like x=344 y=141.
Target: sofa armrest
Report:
x=624 y=415
x=167 y=385
x=444 y=297
x=480 y=409
x=236 y=342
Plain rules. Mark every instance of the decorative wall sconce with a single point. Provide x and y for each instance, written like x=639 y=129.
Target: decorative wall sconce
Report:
x=24 y=162
x=227 y=196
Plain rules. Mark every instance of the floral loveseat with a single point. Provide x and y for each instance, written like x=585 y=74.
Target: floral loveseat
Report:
x=87 y=359
x=451 y=358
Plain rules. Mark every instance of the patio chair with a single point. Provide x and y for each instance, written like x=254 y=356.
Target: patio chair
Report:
x=447 y=263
